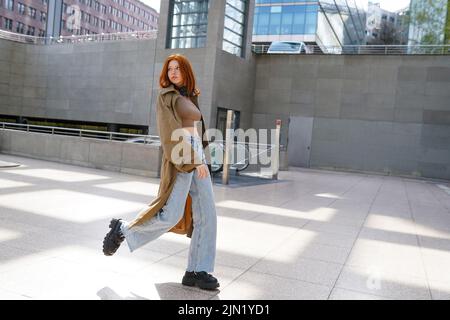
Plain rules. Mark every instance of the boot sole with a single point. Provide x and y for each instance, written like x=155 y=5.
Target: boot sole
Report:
x=113 y=225
x=194 y=283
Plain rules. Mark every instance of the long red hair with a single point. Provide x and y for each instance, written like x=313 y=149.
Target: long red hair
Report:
x=186 y=72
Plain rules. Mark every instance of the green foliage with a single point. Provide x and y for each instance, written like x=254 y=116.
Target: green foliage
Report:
x=447 y=25
x=429 y=19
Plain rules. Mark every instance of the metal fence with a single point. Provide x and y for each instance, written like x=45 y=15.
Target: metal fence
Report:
x=104 y=135
x=256 y=48
x=135 y=35
x=366 y=50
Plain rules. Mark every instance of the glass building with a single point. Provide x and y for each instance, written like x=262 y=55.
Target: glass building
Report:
x=323 y=23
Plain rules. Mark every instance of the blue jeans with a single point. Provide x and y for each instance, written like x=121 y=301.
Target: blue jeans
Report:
x=202 y=249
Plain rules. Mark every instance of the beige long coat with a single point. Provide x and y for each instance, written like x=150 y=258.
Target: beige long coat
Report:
x=168 y=121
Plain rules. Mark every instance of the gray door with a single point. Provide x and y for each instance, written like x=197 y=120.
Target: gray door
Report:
x=299 y=141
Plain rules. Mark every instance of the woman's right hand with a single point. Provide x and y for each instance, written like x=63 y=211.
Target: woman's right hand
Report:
x=202 y=171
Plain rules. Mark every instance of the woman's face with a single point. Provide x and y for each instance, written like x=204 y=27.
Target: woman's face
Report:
x=174 y=73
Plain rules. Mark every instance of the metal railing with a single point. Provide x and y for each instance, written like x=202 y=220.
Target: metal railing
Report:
x=367 y=49
x=135 y=35
x=104 y=135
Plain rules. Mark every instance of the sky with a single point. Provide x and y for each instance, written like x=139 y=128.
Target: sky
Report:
x=390 y=5
x=152 y=3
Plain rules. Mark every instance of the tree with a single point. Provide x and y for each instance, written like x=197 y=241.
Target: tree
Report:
x=428 y=21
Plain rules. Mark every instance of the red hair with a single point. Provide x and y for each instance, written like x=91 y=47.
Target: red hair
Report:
x=186 y=72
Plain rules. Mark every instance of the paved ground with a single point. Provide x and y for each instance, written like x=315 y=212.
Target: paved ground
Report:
x=312 y=235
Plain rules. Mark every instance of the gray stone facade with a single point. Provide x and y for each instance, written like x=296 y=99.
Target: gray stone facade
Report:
x=386 y=114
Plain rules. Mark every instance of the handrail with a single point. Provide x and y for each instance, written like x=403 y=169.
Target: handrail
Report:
x=366 y=49
x=134 y=35
x=118 y=136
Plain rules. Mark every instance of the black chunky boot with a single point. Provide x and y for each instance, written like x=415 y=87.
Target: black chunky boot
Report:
x=113 y=238
x=201 y=279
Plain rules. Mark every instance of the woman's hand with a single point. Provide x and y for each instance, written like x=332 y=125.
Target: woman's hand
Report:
x=202 y=171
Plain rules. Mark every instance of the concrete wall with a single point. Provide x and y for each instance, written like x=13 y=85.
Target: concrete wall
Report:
x=105 y=82
x=12 y=57
x=129 y=158
x=234 y=86
x=387 y=114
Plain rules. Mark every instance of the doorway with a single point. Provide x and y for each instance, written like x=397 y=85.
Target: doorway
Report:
x=299 y=141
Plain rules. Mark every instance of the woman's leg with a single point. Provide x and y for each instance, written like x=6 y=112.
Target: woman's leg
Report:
x=202 y=251
x=167 y=217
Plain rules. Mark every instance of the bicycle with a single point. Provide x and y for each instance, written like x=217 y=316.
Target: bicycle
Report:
x=239 y=150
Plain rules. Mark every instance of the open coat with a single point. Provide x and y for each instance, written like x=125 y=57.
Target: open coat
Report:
x=168 y=120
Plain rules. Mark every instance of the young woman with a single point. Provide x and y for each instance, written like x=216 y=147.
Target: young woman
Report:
x=185 y=185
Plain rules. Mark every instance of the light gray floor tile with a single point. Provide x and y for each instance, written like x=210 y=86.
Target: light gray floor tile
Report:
x=374 y=281
x=257 y=286
x=315 y=271
x=344 y=294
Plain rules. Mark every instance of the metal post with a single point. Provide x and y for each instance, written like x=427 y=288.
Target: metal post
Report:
x=228 y=142
x=275 y=154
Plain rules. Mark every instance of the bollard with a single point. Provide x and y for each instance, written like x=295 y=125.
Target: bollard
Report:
x=275 y=154
x=228 y=147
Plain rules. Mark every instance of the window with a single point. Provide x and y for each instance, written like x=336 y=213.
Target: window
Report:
x=262 y=17
x=9 y=4
x=43 y=16
x=311 y=19
x=285 y=19
x=32 y=12
x=41 y=33
x=21 y=8
x=188 y=24
x=30 y=31
x=234 y=26
x=8 y=24
x=275 y=21
x=20 y=27
x=298 y=26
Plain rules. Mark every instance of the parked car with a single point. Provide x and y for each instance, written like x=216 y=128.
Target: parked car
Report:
x=290 y=47
x=142 y=140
